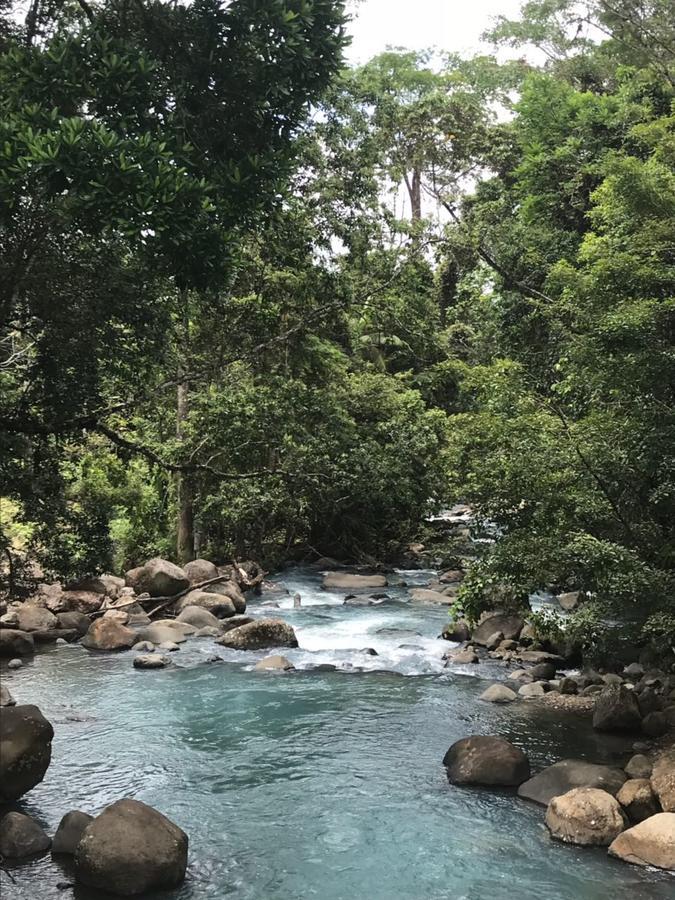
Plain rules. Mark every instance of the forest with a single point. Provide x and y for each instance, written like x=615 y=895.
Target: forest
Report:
x=255 y=303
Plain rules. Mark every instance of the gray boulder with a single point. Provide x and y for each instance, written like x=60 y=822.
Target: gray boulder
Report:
x=131 y=848
x=25 y=750
x=348 y=582
x=229 y=589
x=6 y=698
x=567 y=774
x=199 y=570
x=494 y=640
x=108 y=634
x=498 y=693
x=467 y=656
x=663 y=780
x=158 y=578
x=14 y=642
x=544 y=671
x=76 y=621
x=425 y=596
x=69 y=833
x=219 y=605
x=34 y=618
x=638 y=766
x=486 y=760
x=21 y=836
x=637 y=798
x=152 y=661
x=79 y=601
x=509 y=625
x=616 y=709
x=274 y=664
x=586 y=816
x=198 y=617
x=531 y=691
x=260 y=634
x=160 y=632
x=655 y=724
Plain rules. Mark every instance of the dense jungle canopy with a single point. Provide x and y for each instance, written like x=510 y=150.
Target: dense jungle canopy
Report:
x=257 y=303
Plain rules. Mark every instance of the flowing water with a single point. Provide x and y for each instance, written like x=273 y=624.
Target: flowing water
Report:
x=314 y=784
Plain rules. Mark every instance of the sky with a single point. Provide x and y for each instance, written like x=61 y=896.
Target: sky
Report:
x=454 y=25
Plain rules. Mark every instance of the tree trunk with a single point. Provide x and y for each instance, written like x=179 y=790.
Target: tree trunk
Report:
x=185 y=534
x=416 y=196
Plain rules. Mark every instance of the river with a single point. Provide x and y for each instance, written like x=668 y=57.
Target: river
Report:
x=314 y=784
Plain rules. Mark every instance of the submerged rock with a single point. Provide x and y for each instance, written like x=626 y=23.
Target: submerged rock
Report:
x=25 y=750
x=651 y=843
x=129 y=849
x=585 y=816
x=567 y=774
x=70 y=831
x=21 y=836
x=107 y=634
x=486 y=760
x=260 y=634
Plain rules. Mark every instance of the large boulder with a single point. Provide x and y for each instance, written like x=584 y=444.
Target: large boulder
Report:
x=229 y=589
x=165 y=630
x=260 y=634
x=424 y=595
x=585 y=816
x=131 y=848
x=663 y=781
x=198 y=617
x=25 y=750
x=567 y=774
x=199 y=570
x=30 y=617
x=456 y=631
x=158 y=577
x=650 y=843
x=108 y=634
x=79 y=601
x=637 y=798
x=220 y=605
x=616 y=709
x=76 y=621
x=14 y=642
x=486 y=760
x=69 y=833
x=498 y=693
x=108 y=585
x=509 y=625
x=344 y=581
x=21 y=836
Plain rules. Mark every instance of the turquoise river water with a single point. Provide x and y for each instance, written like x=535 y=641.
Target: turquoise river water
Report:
x=314 y=784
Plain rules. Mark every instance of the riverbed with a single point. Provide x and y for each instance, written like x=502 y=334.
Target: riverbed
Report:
x=315 y=784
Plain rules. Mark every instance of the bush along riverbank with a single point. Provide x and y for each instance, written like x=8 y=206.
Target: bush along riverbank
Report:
x=156 y=608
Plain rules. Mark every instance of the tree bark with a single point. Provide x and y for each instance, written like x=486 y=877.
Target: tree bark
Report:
x=185 y=534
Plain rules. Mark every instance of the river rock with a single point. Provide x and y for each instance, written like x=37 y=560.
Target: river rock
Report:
x=344 y=581
x=160 y=632
x=25 y=750
x=451 y=576
x=638 y=766
x=521 y=675
x=586 y=816
x=74 y=621
x=531 y=691
x=219 y=605
x=655 y=724
x=634 y=670
x=494 y=640
x=539 y=656
x=616 y=709
x=229 y=590
x=260 y=634
x=543 y=671
x=14 y=642
x=274 y=664
x=650 y=843
x=663 y=780
x=131 y=848
x=79 y=601
x=498 y=693
x=152 y=660
x=456 y=631
x=198 y=617
x=637 y=798
x=461 y=657
x=486 y=760
x=107 y=634
x=569 y=601
x=169 y=646
x=21 y=836
x=34 y=618
x=119 y=615
x=69 y=833
x=567 y=774
x=234 y=622
x=424 y=595
x=6 y=698
x=568 y=686
x=198 y=570
x=210 y=631
x=509 y=625
x=158 y=578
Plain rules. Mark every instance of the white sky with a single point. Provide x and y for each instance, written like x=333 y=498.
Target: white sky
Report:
x=454 y=25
